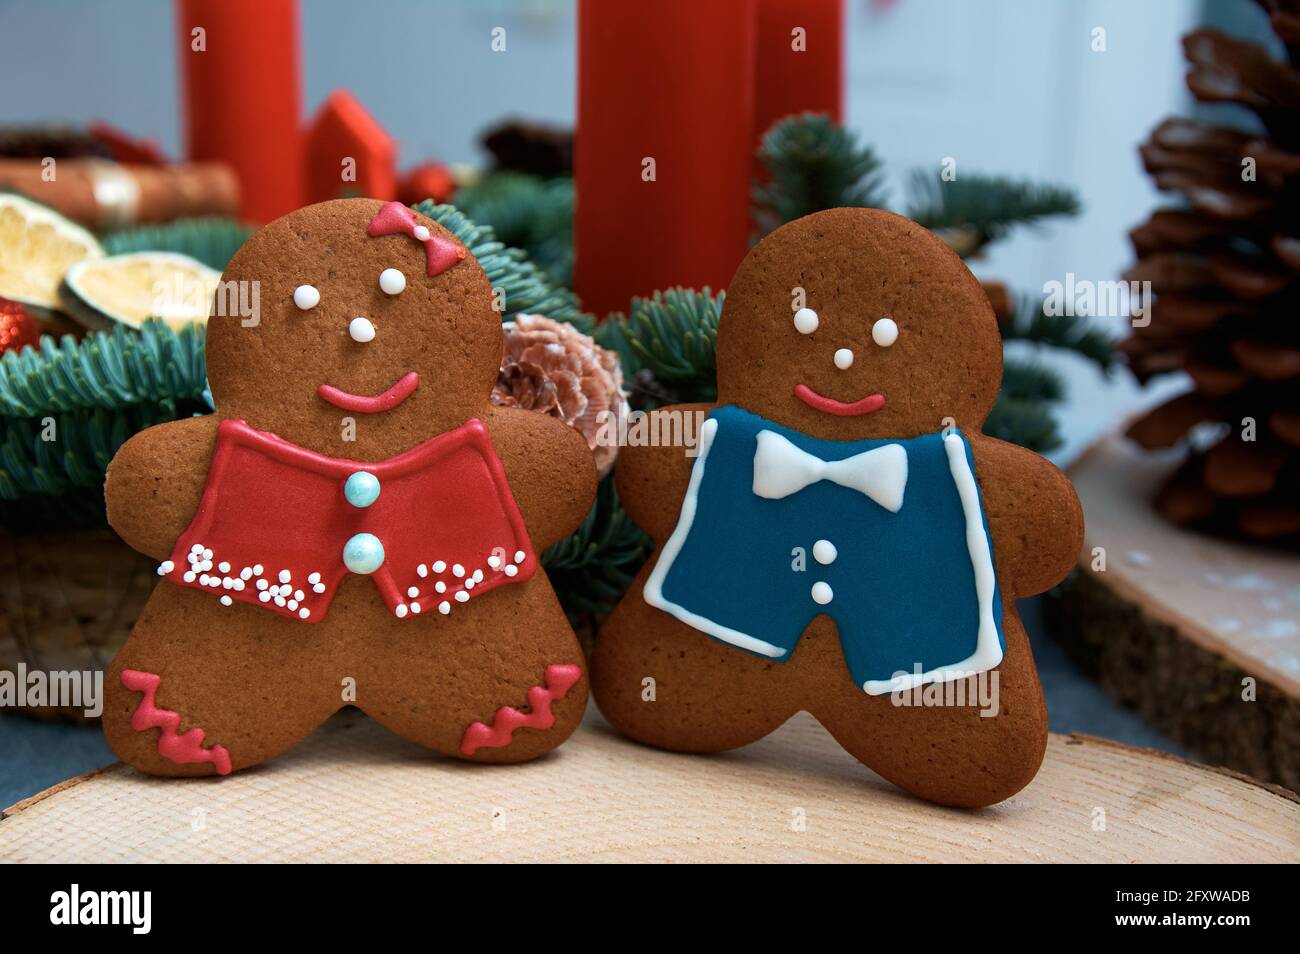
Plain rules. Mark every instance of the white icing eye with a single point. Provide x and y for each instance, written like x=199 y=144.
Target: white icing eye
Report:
x=884 y=332
x=805 y=321
x=392 y=281
x=306 y=297
x=843 y=359
x=361 y=330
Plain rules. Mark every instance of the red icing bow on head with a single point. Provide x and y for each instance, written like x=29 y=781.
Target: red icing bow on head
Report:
x=395 y=218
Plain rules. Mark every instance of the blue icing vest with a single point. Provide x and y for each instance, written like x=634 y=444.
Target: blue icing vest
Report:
x=896 y=550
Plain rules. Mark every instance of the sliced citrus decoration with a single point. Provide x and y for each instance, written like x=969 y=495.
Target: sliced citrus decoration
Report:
x=130 y=288
x=37 y=247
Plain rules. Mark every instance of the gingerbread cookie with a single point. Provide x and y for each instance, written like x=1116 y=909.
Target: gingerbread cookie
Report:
x=356 y=524
x=845 y=541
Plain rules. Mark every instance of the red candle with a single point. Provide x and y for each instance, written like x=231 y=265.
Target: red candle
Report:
x=800 y=62
x=348 y=152
x=240 y=63
x=664 y=141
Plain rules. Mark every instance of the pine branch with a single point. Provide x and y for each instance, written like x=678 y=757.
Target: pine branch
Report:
x=1077 y=334
x=527 y=289
x=108 y=369
x=1028 y=423
x=673 y=335
x=527 y=212
x=212 y=240
x=592 y=568
x=814 y=165
x=972 y=211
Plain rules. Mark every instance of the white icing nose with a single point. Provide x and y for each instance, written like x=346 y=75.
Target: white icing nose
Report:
x=361 y=330
x=843 y=359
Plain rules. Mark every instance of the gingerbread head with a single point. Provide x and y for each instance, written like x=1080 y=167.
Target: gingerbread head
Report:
x=356 y=524
x=845 y=540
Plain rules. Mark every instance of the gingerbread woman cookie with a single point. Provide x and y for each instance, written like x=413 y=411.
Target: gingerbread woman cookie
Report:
x=845 y=541
x=356 y=524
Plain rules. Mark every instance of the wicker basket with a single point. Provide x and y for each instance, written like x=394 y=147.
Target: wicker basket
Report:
x=68 y=599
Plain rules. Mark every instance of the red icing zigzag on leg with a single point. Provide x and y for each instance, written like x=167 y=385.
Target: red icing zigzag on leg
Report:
x=559 y=680
x=173 y=746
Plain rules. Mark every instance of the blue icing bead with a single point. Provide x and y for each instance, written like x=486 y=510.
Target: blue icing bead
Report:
x=361 y=489
x=363 y=553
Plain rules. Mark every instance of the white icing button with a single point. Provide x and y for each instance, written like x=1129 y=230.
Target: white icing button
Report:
x=306 y=297
x=884 y=332
x=422 y=233
x=400 y=611
x=824 y=552
x=392 y=281
x=806 y=321
x=444 y=607
x=821 y=593
x=843 y=359
x=361 y=330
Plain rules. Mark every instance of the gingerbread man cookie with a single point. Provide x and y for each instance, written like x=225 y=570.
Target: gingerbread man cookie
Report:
x=356 y=524
x=845 y=541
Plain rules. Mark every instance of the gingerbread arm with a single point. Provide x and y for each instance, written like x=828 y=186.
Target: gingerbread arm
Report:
x=155 y=481
x=1033 y=514
x=550 y=469
x=654 y=470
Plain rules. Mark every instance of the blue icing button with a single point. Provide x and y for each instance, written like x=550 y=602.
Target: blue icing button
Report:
x=361 y=489
x=363 y=553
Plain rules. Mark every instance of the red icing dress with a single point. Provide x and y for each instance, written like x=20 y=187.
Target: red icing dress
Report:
x=434 y=526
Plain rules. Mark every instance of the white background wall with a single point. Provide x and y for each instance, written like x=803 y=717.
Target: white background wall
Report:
x=1007 y=86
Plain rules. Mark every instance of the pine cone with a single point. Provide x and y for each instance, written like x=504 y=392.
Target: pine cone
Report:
x=1225 y=272
x=551 y=367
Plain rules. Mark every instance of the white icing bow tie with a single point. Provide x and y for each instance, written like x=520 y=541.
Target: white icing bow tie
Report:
x=781 y=469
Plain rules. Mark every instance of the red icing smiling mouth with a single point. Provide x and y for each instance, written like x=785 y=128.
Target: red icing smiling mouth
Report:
x=384 y=401
x=819 y=402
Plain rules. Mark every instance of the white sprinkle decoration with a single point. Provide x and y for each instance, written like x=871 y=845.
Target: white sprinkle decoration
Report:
x=494 y=561
x=293 y=604
x=197 y=548
x=439 y=566
x=223 y=566
x=400 y=611
x=361 y=330
x=279 y=601
x=415 y=607
x=313 y=578
x=226 y=601
x=189 y=576
x=258 y=569
x=238 y=586
x=421 y=571
x=421 y=233
x=469 y=584
x=511 y=570
x=318 y=587
x=304 y=613
x=246 y=573
x=440 y=586
x=207 y=554
x=264 y=597
x=262 y=584
x=203 y=580
x=285 y=576
x=457 y=570
x=306 y=297
x=444 y=607
x=392 y=281
x=462 y=597
x=299 y=595
x=227 y=582
x=412 y=591
x=519 y=556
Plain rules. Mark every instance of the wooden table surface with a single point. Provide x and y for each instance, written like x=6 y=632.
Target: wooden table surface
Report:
x=353 y=792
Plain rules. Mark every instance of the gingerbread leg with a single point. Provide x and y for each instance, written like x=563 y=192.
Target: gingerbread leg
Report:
x=948 y=754
x=471 y=690
x=210 y=706
x=667 y=685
